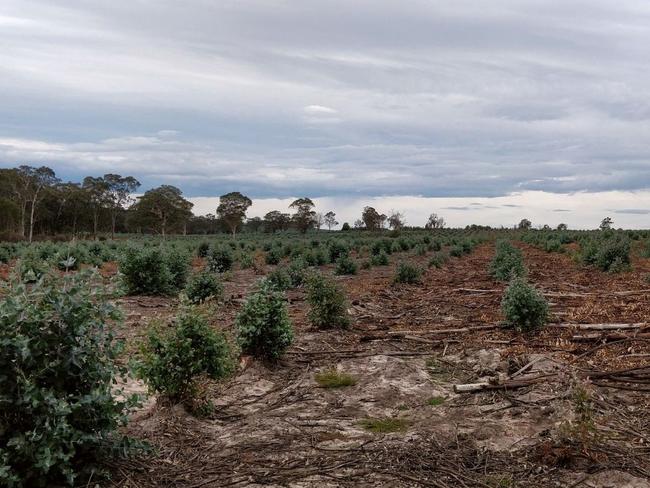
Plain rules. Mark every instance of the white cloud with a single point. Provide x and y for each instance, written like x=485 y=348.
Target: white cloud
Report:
x=319 y=109
x=332 y=98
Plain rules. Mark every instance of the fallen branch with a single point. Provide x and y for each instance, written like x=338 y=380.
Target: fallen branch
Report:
x=462 y=330
x=613 y=326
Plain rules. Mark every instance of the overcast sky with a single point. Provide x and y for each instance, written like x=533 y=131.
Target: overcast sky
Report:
x=344 y=100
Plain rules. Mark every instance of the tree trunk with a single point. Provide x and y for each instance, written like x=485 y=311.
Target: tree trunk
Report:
x=31 y=216
x=23 y=211
x=113 y=219
x=95 y=222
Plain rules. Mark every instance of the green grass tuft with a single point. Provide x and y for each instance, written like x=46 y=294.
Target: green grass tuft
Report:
x=436 y=401
x=334 y=379
x=385 y=425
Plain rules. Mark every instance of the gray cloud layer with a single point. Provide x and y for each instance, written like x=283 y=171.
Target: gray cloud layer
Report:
x=279 y=97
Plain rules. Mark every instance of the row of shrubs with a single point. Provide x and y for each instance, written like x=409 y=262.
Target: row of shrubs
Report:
x=223 y=252
x=60 y=413
x=523 y=307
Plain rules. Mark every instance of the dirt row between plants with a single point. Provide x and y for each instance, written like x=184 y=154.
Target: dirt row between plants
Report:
x=402 y=424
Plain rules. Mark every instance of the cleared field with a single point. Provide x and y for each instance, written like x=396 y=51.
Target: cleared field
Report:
x=427 y=387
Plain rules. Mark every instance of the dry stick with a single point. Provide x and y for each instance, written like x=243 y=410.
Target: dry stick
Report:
x=461 y=330
x=562 y=294
x=567 y=325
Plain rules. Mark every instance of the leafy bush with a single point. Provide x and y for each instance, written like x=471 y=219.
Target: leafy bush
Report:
x=146 y=271
x=438 y=260
x=609 y=253
x=279 y=279
x=456 y=251
x=203 y=286
x=203 y=249
x=58 y=411
x=31 y=269
x=523 y=306
x=70 y=257
x=263 y=326
x=345 y=266
x=178 y=264
x=174 y=359
x=246 y=261
x=337 y=250
x=220 y=259
x=380 y=259
x=327 y=303
x=273 y=256
x=407 y=273
x=297 y=271
x=5 y=255
x=553 y=245
x=316 y=257
x=508 y=262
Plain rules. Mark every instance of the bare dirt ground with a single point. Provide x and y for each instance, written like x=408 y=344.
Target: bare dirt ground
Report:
x=553 y=413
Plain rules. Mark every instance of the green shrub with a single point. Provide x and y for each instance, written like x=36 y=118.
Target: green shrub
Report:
x=345 y=266
x=609 y=253
x=508 y=262
x=523 y=306
x=456 y=251
x=327 y=303
x=178 y=264
x=204 y=286
x=246 y=261
x=438 y=260
x=70 y=257
x=297 y=271
x=59 y=412
x=273 y=257
x=553 y=245
x=173 y=359
x=337 y=250
x=407 y=273
x=263 y=326
x=145 y=271
x=31 y=269
x=203 y=249
x=220 y=259
x=5 y=255
x=279 y=279
x=380 y=259
x=315 y=257
x=645 y=252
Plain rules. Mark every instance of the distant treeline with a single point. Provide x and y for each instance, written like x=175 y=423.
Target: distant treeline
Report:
x=35 y=202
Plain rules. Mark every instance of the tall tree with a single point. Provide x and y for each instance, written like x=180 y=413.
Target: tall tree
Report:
x=98 y=196
x=524 y=224
x=305 y=217
x=73 y=200
x=396 y=220
x=318 y=220
x=118 y=195
x=37 y=181
x=435 y=222
x=606 y=223
x=371 y=218
x=162 y=208
x=330 y=220
x=232 y=209
x=276 y=220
